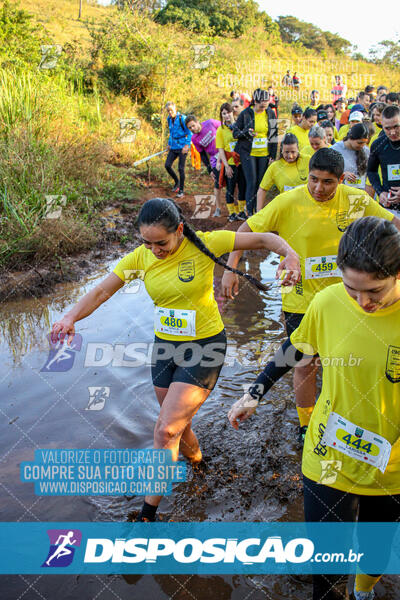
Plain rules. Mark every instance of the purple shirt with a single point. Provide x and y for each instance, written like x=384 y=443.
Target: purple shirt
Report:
x=205 y=140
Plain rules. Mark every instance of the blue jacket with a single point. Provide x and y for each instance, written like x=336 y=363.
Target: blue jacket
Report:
x=179 y=134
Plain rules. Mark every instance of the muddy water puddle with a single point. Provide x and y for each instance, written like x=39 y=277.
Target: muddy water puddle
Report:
x=94 y=401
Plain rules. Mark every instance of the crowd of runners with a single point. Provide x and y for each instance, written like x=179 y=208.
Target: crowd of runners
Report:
x=335 y=225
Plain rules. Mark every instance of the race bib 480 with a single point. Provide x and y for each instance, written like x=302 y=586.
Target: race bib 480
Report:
x=175 y=321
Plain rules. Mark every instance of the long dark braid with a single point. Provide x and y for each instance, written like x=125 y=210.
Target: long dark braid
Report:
x=165 y=212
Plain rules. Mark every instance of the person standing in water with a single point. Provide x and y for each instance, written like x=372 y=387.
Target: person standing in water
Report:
x=178 y=265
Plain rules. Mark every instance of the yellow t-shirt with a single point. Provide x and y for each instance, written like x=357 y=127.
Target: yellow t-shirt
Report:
x=183 y=280
x=375 y=136
x=301 y=134
x=260 y=140
x=313 y=229
x=224 y=139
x=343 y=131
x=308 y=151
x=286 y=175
x=360 y=355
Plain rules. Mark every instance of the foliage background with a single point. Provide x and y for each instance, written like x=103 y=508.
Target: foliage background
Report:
x=59 y=128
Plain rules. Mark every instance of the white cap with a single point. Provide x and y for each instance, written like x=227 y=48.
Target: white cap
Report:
x=356 y=116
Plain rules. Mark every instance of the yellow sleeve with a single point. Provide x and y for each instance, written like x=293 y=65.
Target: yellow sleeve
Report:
x=343 y=131
x=267 y=219
x=218 y=242
x=374 y=209
x=128 y=267
x=268 y=180
x=307 y=151
x=219 y=138
x=305 y=337
x=304 y=160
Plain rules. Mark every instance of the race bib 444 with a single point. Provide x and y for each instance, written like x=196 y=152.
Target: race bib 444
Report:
x=356 y=442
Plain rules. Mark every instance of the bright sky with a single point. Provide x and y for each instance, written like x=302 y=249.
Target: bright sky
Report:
x=364 y=24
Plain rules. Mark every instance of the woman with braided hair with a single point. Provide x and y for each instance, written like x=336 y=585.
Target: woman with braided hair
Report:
x=190 y=342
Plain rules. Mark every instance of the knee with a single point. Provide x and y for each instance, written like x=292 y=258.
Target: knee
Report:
x=165 y=434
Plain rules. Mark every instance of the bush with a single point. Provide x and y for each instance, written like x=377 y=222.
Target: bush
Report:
x=216 y=17
x=20 y=37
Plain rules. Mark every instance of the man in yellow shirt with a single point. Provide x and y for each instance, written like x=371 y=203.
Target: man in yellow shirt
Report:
x=312 y=218
x=301 y=131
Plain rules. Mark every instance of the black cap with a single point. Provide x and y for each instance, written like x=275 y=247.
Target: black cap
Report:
x=322 y=115
x=297 y=110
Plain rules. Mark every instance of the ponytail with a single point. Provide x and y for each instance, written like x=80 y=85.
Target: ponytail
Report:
x=164 y=212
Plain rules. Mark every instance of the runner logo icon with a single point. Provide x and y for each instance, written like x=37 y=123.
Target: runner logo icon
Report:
x=61 y=356
x=62 y=547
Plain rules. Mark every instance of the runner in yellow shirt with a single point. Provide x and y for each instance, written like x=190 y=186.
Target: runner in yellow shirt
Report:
x=312 y=218
x=355 y=117
x=286 y=173
x=301 y=131
x=329 y=132
x=256 y=130
x=351 y=457
x=317 y=140
x=225 y=143
x=297 y=114
x=177 y=266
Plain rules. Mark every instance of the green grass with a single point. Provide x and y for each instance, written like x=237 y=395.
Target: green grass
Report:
x=59 y=129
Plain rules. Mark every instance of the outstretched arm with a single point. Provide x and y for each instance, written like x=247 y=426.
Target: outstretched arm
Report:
x=285 y=359
x=245 y=239
x=84 y=307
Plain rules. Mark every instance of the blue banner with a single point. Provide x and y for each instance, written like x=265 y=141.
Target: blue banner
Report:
x=102 y=472
x=201 y=548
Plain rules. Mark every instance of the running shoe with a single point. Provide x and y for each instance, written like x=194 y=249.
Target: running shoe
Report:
x=232 y=217
x=180 y=194
x=175 y=188
x=202 y=466
x=217 y=212
x=302 y=434
x=139 y=519
x=241 y=216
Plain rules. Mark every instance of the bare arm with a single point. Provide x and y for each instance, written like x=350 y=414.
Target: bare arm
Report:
x=261 y=197
x=224 y=160
x=268 y=241
x=246 y=239
x=396 y=222
x=84 y=307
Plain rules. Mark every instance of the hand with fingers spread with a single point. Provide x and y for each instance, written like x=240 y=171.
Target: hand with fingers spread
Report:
x=349 y=176
x=61 y=329
x=242 y=410
x=230 y=285
x=289 y=269
x=394 y=195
